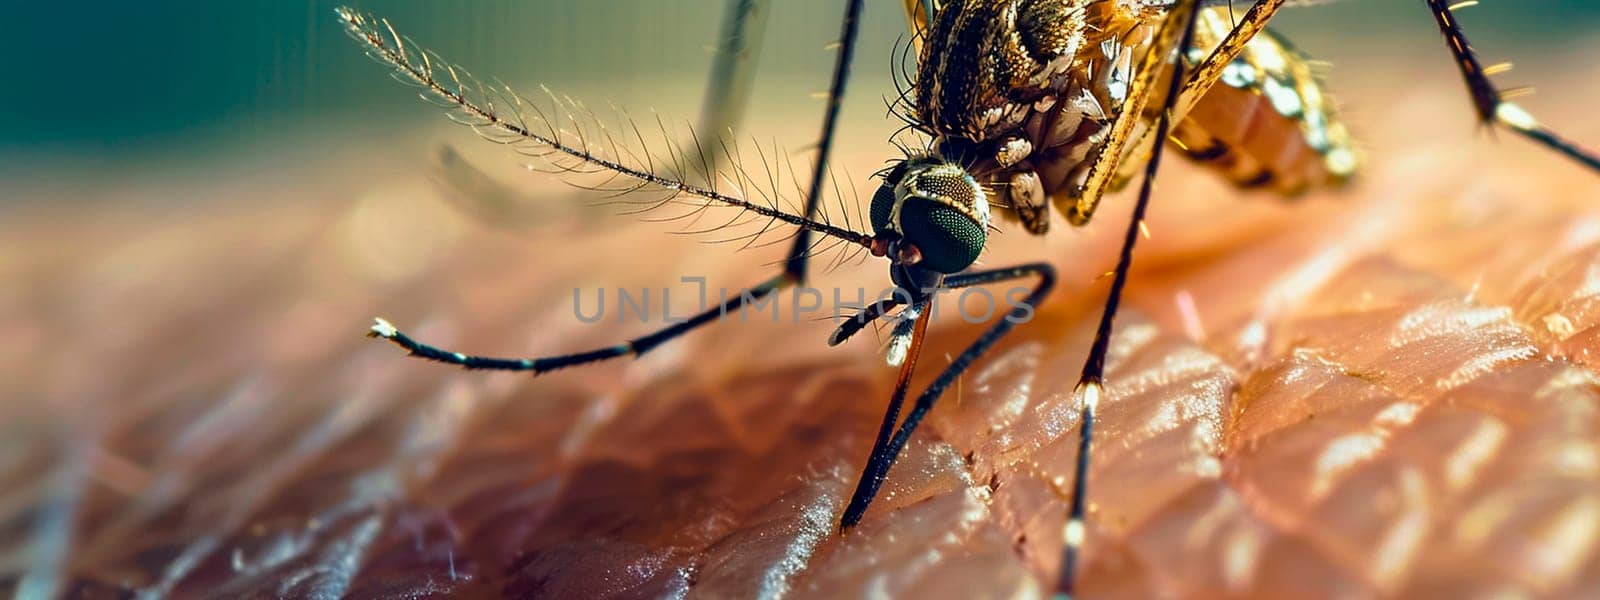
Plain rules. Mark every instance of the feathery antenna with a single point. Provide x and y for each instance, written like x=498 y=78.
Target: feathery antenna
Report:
x=501 y=115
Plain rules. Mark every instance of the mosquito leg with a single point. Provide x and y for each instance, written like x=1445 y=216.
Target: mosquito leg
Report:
x=1488 y=100
x=1246 y=26
x=733 y=71
x=794 y=268
x=1208 y=72
x=1104 y=164
x=884 y=454
x=1090 y=383
x=634 y=347
x=795 y=265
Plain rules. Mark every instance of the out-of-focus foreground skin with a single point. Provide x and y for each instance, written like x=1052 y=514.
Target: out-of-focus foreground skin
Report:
x=1388 y=390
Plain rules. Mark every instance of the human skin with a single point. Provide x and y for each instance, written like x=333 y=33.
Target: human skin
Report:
x=1382 y=390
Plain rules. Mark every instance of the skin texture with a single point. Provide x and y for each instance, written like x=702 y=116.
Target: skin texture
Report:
x=1388 y=390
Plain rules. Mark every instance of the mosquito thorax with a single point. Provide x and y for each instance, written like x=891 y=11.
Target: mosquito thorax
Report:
x=1025 y=93
x=935 y=214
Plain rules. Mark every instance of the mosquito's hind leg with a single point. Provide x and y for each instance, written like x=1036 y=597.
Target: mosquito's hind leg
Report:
x=887 y=447
x=1489 y=101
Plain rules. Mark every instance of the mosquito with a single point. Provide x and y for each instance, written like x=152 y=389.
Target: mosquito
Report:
x=1025 y=105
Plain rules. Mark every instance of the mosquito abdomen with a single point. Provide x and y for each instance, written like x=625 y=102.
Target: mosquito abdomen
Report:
x=1266 y=122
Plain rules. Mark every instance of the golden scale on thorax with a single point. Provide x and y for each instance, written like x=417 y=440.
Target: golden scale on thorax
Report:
x=1023 y=94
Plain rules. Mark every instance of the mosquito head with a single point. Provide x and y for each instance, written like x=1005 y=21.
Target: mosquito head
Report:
x=934 y=211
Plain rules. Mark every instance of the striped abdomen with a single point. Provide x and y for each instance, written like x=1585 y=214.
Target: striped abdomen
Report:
x=1265 y=124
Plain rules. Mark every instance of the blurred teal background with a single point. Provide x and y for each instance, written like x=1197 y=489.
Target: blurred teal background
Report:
x=113 y=84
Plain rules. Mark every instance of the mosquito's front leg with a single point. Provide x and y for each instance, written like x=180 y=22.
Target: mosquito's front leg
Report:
x=634 y=347
x=394 y=50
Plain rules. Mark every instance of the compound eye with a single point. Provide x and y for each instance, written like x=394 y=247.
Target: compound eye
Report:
x=882 y=209
x=948 y=239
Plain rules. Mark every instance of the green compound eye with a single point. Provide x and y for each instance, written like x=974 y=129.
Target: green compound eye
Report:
x=882 y=208
x=949 y=240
